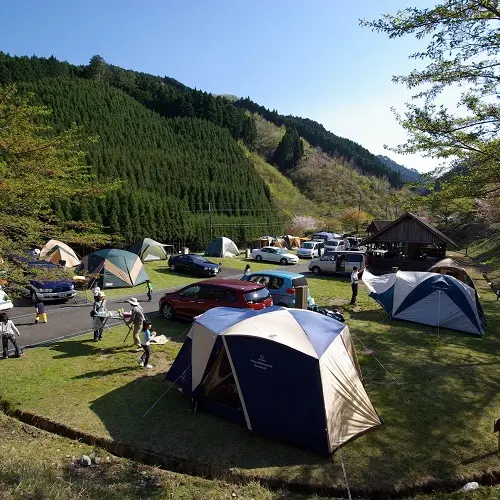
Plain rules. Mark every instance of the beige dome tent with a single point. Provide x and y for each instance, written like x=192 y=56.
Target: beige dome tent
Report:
x=56 y=251
x=452 y=268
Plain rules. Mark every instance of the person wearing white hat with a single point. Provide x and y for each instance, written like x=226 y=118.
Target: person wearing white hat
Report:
x=137 y=318
x=99 y=307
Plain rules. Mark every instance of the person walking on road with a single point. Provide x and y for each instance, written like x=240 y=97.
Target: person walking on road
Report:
x=137 y=318
x=9 y=331
x=40 y=313
x=150 y=290
x=247 y=271
x=98 y=309
x=146 y=336
x=354 y=284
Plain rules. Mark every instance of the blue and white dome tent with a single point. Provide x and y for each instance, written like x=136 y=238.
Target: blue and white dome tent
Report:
x=428 y=298
x=290 y=374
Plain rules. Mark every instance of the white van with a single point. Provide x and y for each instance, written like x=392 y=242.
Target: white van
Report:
x=338 y=263
x=335 y=245
x=311 y=249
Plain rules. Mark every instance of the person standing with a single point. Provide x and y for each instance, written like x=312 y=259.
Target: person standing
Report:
x=99 y=308
x=150 y=290
x=137 y=318
x=40 y=313
x=146 y=336
x=247 y=271
x=95 y=290
x=8 y=331
x=354 y=284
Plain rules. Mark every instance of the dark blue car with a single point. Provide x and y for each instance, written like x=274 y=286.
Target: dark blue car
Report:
x=47 y=289
x=193 y=264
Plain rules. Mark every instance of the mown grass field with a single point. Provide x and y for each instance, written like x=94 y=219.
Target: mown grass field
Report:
x=438 y=398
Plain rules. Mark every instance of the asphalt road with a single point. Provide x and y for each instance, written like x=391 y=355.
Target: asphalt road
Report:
x=72 y=318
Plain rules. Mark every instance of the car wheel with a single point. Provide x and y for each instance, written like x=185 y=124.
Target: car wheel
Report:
x=168 y=311
x=316 y=270
x=172 y=267
x=282 y=304
x=34 y=298
x=258 y=258
x=283 y=262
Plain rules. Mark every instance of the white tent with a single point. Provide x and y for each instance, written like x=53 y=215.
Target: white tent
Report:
x=56 y=251
x=149 y=249
x=222 y=247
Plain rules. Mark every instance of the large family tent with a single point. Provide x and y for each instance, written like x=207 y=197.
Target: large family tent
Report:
x=427 y=298
x=148 y=250
x=290 y=374
x=452 y=268
x=222 y=247
x=57 y=251
x=115 y=268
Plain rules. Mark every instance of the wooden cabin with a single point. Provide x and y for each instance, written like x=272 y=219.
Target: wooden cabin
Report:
x=409 y=243
x=377 y=225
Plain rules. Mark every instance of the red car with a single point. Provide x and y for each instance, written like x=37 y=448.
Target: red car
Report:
x=199 y=297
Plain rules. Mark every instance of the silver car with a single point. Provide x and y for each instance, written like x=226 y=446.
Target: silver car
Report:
x=338 y=263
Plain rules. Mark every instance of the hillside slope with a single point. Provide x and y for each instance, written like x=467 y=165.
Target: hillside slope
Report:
x=407 y=174
x=171 y=169
x=330 y=183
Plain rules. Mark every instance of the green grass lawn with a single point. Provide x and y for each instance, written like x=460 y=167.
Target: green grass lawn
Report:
x=438 y=400
x=486 y=253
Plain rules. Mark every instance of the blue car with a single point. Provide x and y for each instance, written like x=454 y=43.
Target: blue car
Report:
x=281 y=285
x=48 y=289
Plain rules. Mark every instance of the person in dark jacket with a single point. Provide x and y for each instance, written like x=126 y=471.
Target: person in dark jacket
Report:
x=40 y=313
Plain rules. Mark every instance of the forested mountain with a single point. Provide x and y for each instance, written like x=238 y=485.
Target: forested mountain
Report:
x=184 y=176
x=335 y=146
x=407 y=174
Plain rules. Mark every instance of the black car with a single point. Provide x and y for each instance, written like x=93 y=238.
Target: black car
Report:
x=194 y=264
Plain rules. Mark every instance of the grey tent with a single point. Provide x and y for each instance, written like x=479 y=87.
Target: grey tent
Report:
x=148 y=249
x=222 y=247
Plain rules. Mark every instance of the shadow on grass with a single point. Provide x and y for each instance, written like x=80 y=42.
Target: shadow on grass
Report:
x=105 y=373
x=172 y=429
x=85 y=347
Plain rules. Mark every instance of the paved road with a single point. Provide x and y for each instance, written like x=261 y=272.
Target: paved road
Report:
x=72 y=318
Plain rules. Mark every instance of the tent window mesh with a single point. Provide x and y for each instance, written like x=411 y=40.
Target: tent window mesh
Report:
x=219 y=385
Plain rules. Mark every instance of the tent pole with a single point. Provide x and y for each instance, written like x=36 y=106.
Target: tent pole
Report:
x=439 y=309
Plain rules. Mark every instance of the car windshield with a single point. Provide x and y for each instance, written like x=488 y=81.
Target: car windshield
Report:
x=308 y=245
x=199 y=258
x=333 y=243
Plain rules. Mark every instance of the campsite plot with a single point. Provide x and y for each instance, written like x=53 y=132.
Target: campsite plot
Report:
x=438 y=400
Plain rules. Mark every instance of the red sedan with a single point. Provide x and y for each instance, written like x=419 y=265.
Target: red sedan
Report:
x=199 y=297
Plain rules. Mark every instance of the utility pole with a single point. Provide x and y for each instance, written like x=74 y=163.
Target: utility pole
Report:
x=210 y=218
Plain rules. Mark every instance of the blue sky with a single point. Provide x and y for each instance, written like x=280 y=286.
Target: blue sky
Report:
x=307 y=58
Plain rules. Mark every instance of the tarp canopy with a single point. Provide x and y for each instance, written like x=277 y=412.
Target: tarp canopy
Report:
x=148 y=250
x=452 y=268
x=222 y=247
x=428 y=298
x=56 y=251
x=115 y=268
x=290 y=374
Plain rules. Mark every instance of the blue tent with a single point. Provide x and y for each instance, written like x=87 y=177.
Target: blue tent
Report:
x=428 y=298
x=290 y=374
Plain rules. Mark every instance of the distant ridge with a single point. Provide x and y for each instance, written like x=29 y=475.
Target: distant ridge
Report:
x=407 y=174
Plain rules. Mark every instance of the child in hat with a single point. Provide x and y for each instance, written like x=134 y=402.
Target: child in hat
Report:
x=146 y=336
x=40 y=313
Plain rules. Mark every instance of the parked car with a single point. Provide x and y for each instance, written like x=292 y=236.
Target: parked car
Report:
x=311 y=249
x=281 y=285
x=46 y=288
x=199 y=297
x=194 y=264
x=274 y=254
x=338 y=262
x=335 y=245
x=5 y=302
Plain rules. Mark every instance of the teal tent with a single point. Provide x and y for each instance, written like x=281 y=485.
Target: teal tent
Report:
x=115 y=268
x=222 y=247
